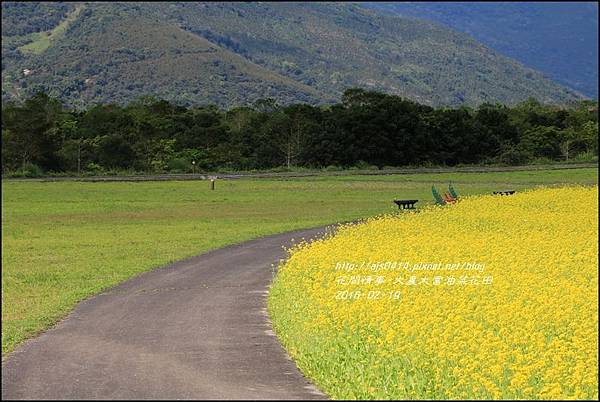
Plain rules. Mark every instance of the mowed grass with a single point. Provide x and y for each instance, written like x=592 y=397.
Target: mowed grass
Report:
x=65 y=241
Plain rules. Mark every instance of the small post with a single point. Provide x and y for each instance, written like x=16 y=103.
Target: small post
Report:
x=79 y=157
x=212 y=182
x=194 y=167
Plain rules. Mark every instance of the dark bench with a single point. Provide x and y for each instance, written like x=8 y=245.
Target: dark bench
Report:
x=504 y=192
x=406 y=204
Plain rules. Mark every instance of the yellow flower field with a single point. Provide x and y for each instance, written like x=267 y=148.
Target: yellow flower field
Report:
x=493 y=297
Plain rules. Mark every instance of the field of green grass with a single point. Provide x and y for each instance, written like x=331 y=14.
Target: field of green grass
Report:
x=65 y=241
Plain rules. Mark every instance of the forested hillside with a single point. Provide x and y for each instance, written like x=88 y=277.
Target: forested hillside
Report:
x=559 y=39
x=232 y=54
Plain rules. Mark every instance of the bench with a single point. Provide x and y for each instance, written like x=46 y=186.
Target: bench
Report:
x=406 y=204
x=504 y=192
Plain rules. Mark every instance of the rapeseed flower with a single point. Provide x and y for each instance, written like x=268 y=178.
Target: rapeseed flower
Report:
x=493 y=297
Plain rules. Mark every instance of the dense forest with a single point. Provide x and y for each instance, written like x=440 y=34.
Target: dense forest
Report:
x=559 y=39
x=366 y=128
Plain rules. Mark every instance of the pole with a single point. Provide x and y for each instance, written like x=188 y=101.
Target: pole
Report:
x=79 y=157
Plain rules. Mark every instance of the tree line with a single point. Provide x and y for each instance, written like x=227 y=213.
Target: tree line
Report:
x=364 y=129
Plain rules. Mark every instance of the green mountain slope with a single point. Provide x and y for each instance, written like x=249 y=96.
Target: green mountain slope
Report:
x=236 y=53
x=125 y=55
x=558 y=38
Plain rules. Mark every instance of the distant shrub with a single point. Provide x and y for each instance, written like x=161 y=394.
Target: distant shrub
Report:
x=29 y=170
x=542 y=161
x=280 y=169
x=362 y=165
x=94 y=168
x=179 y=165
x=513 y=157
x=585 y=157
x=119 y=172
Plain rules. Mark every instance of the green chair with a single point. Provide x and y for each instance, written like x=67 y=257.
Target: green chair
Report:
x=438 y=198
x=453 y=192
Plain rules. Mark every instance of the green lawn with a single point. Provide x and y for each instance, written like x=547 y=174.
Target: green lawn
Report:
x=65 y=241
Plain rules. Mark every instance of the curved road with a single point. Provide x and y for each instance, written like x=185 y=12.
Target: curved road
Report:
x=196 y=329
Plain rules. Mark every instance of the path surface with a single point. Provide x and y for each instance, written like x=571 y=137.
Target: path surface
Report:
x=284 y=175
x=196 y=329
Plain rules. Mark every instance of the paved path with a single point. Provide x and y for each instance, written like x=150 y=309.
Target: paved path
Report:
x=284 y=175
x=196 y=329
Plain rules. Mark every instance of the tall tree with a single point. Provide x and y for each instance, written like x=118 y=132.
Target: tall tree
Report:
x=31 y=132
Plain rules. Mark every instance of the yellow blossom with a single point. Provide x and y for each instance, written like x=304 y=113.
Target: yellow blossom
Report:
x=517 y=319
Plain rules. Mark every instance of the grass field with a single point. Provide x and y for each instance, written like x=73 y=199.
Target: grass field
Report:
x=65 y=241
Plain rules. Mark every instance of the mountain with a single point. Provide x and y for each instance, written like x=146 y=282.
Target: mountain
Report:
x=559 y=39
x=236 y=53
